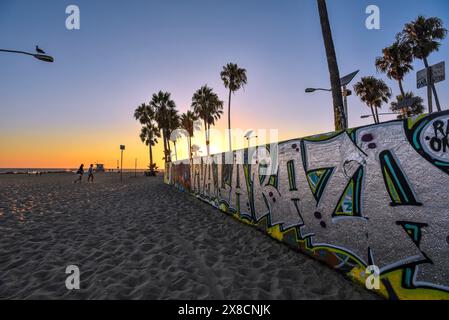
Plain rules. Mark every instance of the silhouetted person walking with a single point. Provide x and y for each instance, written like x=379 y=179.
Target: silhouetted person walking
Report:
x=90 y=173
x=80 y=173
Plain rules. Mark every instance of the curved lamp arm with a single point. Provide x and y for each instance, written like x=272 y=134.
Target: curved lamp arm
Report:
x=42 y=57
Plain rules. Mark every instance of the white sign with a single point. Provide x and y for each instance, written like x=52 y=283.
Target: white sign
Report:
x=438 y=75
x=435 y=138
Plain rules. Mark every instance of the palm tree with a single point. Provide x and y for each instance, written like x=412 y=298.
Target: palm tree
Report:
x=144 y=114
x=233 y=78
x=373 y=92
x=174 y=136
x=164 y=108
x=208 y=107
x=339 y=119
x=416 y=107
x=173 y=127
x=423 y=36
x=149 y=133
x=188 y=121
x=396 y=62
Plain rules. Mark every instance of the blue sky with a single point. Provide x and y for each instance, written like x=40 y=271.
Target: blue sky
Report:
x=127 y=50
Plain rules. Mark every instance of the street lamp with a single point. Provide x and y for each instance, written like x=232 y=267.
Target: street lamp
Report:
x=380 y=114
x=310 y=90
x=345 y=92
x=249 y=135
x=39 y=56
x=122 y=148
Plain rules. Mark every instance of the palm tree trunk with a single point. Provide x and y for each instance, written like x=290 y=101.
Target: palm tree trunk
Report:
x=151 y=157
x=229 y=120
x=176 y=153
x=207 y=138
x=189 y=146
x=165 y=145
x=437 y=101
x=376 y=110
x=332 y=65
x=401 y=88
x=168 y=146
x=374 y=115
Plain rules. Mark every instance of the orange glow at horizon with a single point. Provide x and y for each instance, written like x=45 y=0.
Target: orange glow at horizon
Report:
x=66 y=151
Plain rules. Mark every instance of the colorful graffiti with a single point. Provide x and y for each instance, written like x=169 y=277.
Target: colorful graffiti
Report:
x=374 y=195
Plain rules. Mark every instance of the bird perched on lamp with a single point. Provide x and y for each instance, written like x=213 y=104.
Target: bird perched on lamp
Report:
x=39 y=50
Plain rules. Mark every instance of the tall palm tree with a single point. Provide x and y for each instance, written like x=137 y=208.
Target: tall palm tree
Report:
x=188 y=120
x=416 y=107
x=208 y=107
x=339 y=119
x=164 y=108
x=423 y=36
x=396 y=62
x=233 y=78
x=149 y=134
x=174 y=137
x=373 y=92
x=144 y=114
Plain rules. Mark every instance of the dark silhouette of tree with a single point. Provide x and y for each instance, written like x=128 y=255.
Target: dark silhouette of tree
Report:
x=424 y=36
x=396 y=62
x=233 y=78
x=416 y=107
x=208 y=107
x=373 y=92
x=333 y=66
x=165 y=109
x=188 y=125
x=149 y=133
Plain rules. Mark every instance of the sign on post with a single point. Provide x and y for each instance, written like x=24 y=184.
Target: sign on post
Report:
x=438 y=74
x=122 y=147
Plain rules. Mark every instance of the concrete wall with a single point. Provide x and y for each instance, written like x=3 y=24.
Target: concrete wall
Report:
x=374 y=195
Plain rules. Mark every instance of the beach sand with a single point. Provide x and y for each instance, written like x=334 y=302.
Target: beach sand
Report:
x=141 y=239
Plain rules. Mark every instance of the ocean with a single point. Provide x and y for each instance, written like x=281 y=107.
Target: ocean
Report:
x=54 y=170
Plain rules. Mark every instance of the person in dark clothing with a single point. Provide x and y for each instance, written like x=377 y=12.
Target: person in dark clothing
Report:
x=80 y=173
x=90 y=173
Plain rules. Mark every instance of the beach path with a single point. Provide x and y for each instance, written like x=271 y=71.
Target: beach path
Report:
x=141 y=239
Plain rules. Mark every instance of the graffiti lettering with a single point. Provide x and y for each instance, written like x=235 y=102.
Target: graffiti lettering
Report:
x=366 y=196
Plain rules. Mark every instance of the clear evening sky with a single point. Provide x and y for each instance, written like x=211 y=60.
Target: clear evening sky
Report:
x=79 y=109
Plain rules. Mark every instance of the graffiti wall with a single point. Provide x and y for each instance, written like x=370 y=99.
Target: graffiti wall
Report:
x=375 y=195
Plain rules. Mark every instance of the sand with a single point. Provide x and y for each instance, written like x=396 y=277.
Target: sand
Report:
x=141 y=239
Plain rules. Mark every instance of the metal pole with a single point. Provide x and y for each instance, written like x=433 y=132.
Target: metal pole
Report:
x=135 y=169
x=429 y=89
x=121 y=167
x=176 y=153
x=345 y=103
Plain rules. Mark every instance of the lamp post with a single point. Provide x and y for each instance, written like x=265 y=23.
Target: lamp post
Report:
x=380 y=114
x=39 y=56
x=344 y=81
x=310 y=90
x=122 y=147
x=249 y=135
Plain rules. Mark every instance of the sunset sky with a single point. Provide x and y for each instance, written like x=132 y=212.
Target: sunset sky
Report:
x=80 y=108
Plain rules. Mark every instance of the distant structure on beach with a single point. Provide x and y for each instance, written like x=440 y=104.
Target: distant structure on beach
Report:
x=99 y=167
